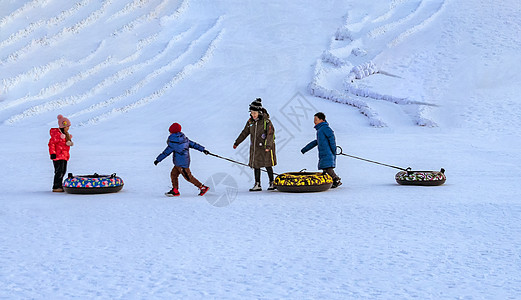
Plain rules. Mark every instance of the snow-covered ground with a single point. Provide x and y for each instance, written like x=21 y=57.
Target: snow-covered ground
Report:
x=420 y=83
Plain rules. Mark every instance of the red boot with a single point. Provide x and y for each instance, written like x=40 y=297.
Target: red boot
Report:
x=173 y=193
x=203 y=190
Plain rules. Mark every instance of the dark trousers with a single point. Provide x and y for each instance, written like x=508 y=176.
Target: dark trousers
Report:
x=331 y=172
x=60 y=168
x=176 y=171
x=257 y=173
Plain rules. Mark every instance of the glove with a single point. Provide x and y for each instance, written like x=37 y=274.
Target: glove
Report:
x=156 y=162
x=53 y=156
x=206 y=152
x=234 y=146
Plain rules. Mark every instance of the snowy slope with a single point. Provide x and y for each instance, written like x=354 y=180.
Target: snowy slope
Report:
x=420 y=83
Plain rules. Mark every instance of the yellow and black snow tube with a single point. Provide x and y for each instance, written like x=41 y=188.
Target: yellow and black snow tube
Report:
x=303 y=182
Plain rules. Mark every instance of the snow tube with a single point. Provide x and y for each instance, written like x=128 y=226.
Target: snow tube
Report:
x=303 y=182
x=92 y=184
x=426 y=178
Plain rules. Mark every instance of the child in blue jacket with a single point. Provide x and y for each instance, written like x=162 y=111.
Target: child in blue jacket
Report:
x=179 y=145
x=326 y=147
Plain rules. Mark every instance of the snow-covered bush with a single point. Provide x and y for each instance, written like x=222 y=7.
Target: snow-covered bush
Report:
x=358 y=52
x=343 y=33
x=363 y=70
x=329 y=57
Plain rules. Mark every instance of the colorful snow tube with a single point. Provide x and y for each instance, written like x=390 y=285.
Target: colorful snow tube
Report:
x=303 y=182
x=92 y=184
x=426 y=178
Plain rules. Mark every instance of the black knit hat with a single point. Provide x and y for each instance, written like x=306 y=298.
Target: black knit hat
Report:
x=256 y=105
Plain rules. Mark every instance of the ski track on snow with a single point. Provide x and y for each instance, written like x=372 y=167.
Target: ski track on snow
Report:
x=375 y=33
x=87 y=71
x=186 y=71
x=38 y=72
x=56 y=88
x=129 y=7
x=143 y=19
x=35 y=4
x=109 y=81
x=149 y=77
x=65 y=33
x=53 y=21
x=402 y=20
x=437 y=7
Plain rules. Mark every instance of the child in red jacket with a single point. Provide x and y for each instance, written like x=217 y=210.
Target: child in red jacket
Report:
x=59 y=145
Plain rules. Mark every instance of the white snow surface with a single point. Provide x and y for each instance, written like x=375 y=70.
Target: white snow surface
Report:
x=436 y=85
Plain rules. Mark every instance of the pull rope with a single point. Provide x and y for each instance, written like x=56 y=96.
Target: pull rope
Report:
x=371 y=161
x=237 y=162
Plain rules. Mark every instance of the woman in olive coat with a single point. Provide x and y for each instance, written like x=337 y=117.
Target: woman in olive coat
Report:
x=262 y=147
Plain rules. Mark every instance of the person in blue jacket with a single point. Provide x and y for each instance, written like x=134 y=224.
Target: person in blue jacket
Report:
x=180 y=145
x=326 y=147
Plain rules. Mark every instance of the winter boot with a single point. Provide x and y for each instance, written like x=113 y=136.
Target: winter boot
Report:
x=58 y=190
x=173 y=193
x=203 y=189
x=272 y=186
x=336 y=183
x=256 y=188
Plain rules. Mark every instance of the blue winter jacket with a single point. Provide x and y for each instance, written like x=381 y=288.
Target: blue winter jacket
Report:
x=326 y=146
x=179 y=144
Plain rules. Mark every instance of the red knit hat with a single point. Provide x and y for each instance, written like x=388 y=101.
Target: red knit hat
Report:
x=174 y=128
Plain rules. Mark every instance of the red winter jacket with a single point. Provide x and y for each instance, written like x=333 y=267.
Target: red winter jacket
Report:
x=57 y=145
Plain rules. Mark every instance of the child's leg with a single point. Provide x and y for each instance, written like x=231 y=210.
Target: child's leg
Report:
x=60 y=168
x=190 y=178
x=174 y=176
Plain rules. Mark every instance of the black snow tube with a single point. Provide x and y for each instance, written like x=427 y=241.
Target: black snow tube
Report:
x=92 y=184
x=303 y=182
x=425 y=178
